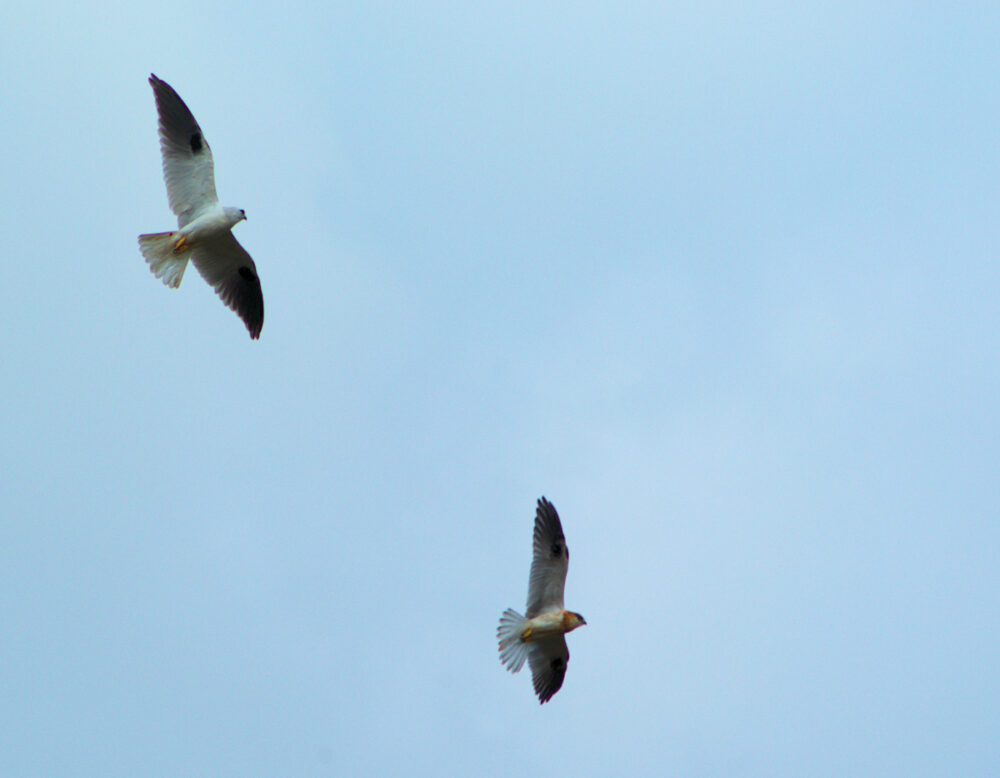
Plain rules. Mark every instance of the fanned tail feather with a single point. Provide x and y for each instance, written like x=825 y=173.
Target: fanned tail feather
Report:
x=158 y=249
x=513 y=650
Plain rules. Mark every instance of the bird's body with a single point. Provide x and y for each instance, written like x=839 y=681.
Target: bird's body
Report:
x=212 y=221
x=539 y=635
x=204 y=227
x=545 y=625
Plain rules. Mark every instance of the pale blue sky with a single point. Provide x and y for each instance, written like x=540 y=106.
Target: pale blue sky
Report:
x=719 y=280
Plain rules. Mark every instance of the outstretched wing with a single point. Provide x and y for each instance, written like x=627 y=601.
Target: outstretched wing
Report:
x=225 y=264
x=548 y=659
x=187 y=160
x=549 y=564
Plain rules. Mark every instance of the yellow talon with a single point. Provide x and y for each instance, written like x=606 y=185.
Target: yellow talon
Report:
x=526 y=634
x=180 y=245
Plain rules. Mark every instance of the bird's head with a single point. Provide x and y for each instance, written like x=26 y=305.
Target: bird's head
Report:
x=575 y=620
x=234 y=216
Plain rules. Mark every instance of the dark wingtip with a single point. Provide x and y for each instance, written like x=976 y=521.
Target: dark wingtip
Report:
x=254 y=325
x=546 y=508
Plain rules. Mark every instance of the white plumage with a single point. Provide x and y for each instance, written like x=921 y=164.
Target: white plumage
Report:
x=204 y=227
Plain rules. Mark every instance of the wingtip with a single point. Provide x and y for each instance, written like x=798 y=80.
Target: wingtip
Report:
x=253 y=324
x=546 y=509
x=254 y=327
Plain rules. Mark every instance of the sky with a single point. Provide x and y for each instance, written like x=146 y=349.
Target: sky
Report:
x=719 y=279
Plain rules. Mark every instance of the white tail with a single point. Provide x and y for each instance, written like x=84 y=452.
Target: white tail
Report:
x=513 y=650
x=158 y=249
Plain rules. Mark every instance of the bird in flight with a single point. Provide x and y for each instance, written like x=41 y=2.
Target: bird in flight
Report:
x=204 y=228
x=539 y=635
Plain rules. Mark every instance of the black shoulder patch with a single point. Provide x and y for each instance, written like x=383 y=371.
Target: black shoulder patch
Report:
x=196 y=144
x=556 y=663
x=556 y=549
x=246 y=273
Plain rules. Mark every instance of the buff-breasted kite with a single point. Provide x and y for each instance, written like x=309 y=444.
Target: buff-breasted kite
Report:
x=539 y=635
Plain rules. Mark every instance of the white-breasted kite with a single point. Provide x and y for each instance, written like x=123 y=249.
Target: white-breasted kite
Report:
x=539 y=635
x=204 y=228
